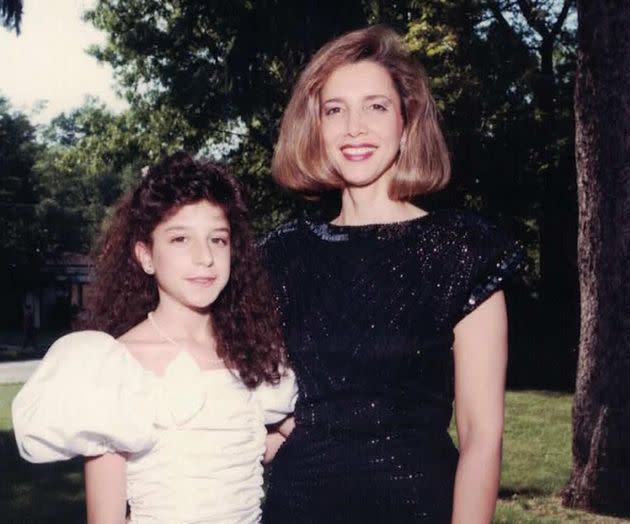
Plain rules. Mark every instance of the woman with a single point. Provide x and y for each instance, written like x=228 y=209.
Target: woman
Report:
x=390 y=312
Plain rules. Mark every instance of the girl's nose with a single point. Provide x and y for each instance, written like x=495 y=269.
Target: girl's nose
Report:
x=203 y=254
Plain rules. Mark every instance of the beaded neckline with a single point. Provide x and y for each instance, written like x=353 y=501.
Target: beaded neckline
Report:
x=383 y=231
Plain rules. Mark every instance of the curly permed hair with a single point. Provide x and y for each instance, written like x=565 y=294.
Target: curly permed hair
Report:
x=247 y=328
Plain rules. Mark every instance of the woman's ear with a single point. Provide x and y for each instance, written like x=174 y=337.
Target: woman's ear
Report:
x=143 y=256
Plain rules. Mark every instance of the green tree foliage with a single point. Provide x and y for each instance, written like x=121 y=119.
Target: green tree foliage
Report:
x=19 y=238
x=92 y=157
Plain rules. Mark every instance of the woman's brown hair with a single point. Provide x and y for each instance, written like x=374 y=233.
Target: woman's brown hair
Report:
x=300 y=162
x=247 y=328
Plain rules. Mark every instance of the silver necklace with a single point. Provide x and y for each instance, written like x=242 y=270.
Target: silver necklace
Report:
x=158 y=330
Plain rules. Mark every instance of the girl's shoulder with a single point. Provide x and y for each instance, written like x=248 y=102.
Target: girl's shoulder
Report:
x=86 y=397
x=278 y=400
x=81 y=356
x=82 y=346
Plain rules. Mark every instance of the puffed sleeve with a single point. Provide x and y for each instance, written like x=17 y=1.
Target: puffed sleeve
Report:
x=87 y=397
x=486 y=259
x=278 y=400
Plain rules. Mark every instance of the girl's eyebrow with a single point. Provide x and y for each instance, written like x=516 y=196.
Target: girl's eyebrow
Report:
x=184 y=228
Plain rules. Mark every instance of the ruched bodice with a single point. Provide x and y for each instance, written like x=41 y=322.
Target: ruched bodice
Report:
x=369 y=313
x=194 y=438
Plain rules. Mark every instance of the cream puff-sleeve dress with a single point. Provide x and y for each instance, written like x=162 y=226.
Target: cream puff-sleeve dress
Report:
x=194 y=438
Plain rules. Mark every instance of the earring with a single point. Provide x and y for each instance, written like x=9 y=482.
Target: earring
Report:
x=149 y=270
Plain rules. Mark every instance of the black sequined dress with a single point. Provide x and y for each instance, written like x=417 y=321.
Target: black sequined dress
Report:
x=369 y=313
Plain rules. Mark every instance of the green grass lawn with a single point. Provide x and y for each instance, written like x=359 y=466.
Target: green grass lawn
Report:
x=536 y=463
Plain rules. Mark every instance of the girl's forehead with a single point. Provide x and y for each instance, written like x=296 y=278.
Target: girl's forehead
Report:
x=196 y=213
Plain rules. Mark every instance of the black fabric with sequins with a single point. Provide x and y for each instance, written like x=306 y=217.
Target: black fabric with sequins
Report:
x=369 y=313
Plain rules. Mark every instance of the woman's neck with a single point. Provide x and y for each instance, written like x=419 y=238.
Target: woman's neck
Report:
x=362 y=206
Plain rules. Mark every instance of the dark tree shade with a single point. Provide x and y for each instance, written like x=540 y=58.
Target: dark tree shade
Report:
x=11 y=14
x=601 y=411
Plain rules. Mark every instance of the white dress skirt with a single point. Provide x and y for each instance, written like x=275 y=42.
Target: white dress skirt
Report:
x=194 y=438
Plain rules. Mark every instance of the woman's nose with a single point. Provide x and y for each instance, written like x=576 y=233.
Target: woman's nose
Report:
x=355 y=123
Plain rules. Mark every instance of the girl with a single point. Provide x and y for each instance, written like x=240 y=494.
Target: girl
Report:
x=169 y=400
x=391 y=312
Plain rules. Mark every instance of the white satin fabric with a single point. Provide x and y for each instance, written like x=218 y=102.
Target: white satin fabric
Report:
x=194 y=438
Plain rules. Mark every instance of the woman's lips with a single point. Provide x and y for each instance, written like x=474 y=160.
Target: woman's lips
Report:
x=359 y=152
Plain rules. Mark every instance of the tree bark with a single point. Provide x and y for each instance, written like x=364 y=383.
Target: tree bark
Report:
x=601 y=410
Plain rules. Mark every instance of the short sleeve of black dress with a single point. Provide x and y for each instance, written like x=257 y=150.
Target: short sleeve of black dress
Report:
x=484 y=257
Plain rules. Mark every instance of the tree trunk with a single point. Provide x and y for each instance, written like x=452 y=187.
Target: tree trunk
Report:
x=601 y=410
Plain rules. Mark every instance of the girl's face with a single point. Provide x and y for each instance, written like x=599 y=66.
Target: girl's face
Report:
x=362 y=123
x=189 y=255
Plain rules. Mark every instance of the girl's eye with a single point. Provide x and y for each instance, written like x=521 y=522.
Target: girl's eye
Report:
x=178 y=240
x=220 y=241
x=332 y=111
x=378 y=107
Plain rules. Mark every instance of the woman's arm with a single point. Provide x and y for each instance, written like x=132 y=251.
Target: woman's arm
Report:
x=106 y=489
x=480 y=352
x=276 y=437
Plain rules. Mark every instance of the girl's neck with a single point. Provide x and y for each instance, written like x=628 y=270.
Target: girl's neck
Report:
x=362 y=206
x=184 y=324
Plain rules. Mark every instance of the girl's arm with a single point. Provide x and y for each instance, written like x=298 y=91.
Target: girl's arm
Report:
x=106 y=489
x=480 y=352
x=276 y=437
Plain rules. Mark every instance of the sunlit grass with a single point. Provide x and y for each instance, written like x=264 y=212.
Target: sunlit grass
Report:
x=537 y=461
x=7 y=392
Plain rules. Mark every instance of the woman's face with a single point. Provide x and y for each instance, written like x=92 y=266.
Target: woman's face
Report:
x=362 y=122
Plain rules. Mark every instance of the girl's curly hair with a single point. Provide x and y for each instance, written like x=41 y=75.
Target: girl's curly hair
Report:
x=247 y=328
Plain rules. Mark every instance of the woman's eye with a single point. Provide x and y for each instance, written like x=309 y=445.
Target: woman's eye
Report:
x=178 y=240
x=220 y=241
x=332 y=111
x=378 y=107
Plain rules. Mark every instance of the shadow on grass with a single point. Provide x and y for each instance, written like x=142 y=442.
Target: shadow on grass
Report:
x=507 y=493
x=39 y=493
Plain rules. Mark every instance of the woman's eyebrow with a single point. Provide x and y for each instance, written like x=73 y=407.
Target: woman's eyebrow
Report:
x=367 y=98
